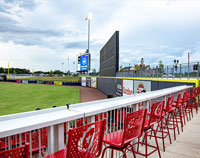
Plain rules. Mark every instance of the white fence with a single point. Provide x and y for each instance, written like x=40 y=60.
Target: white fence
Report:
x=58 y=120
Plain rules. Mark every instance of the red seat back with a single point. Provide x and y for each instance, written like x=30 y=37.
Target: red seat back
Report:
x=86 y=141
x=192 y=93
x=156 y=112
x=169 y=103
x=184 y=97
x=178 y=100
x=20 y=152
x=134 y=125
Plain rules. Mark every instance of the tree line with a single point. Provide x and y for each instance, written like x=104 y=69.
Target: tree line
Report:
x=15 y=70
x=26 y=71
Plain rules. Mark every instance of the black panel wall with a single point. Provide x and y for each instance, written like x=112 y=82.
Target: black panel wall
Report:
x=107 y=85
x=109 y=56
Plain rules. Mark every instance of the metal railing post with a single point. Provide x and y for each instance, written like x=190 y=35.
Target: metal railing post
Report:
x=145 y=73
x=198 y=71
x=167 y=71
x=157 y=71
x=180 y=71
x=188 y=71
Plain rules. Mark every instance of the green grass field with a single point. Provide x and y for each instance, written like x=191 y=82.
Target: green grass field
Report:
x=16 y=97
x=64 y=79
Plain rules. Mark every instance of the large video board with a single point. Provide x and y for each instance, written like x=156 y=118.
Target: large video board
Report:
x=109 y=56
x=84 y=62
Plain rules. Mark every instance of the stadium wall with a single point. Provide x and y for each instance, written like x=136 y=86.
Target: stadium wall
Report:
x=122 y=86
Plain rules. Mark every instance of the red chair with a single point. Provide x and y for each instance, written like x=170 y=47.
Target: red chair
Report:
x=83 y=142
x=154 y=118
x=35 y=141
x=195 y=94
x=79 y=123
x=15 y=141
x=198 y=93
x=100 y=116
x=183 y=106
x=172 y=119
x=178 y=110
x=163 y=124
x=116 y=120
x=188 y=107
x=20 y=152
x=121 y=140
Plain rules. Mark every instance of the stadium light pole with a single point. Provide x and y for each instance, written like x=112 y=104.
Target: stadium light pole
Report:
x=88 y=18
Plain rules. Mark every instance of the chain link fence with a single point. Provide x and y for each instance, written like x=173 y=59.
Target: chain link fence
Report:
x=184 y=70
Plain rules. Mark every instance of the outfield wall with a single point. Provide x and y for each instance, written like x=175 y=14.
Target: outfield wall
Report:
x=59 y=83
x=121 y=86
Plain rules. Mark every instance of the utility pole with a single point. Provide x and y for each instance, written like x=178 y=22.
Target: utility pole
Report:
x=8 y=70
x=188 y=64
x=68 y=66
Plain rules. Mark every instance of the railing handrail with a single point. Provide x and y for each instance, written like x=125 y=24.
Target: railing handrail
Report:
x=19 y=123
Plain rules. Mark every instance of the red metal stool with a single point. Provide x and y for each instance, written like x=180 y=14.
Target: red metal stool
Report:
x=178 y=110
x=172 y=120
x=121 y=140
x=35 y=140
x=195 y=99
x=19 y=152
x=154 y=118
x=83 y=142
x=198 y=93
x=183 y=107
x=192 y=100
x=163 y=124
x=116 y=119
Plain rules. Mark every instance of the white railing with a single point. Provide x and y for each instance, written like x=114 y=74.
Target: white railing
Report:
x=58 y=120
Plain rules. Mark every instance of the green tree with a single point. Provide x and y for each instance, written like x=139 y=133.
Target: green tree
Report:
x=160 y=66
x=14 y=72
x=68 y=73
x=58 y=72
x=94 y=70
x=121 y=68
x=1 y=70
x=50 y=73
x=137 y=67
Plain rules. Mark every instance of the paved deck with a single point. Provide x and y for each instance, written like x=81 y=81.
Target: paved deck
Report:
x=187 y=144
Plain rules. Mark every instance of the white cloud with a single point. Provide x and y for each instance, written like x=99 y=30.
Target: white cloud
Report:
x=43 y=36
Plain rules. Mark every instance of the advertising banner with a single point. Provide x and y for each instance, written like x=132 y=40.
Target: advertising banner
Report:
x=32 y=81
x=83 y=81
x=58 y=83
x=19 y=81
x=93 y=82
x=127 y=87
x=48 y=82
x=88 y=82
x=40 y=82
x=24 y=81
x=119 y=88
x=142 y=86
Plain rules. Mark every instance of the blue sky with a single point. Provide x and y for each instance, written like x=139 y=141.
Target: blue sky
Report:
x=41 y=34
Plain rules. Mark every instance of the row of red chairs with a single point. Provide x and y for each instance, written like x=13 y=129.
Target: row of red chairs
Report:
x=25 y=139
x=86 y=140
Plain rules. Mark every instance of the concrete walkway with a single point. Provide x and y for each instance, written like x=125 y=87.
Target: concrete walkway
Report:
x=187 y=144
x=91 y=94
